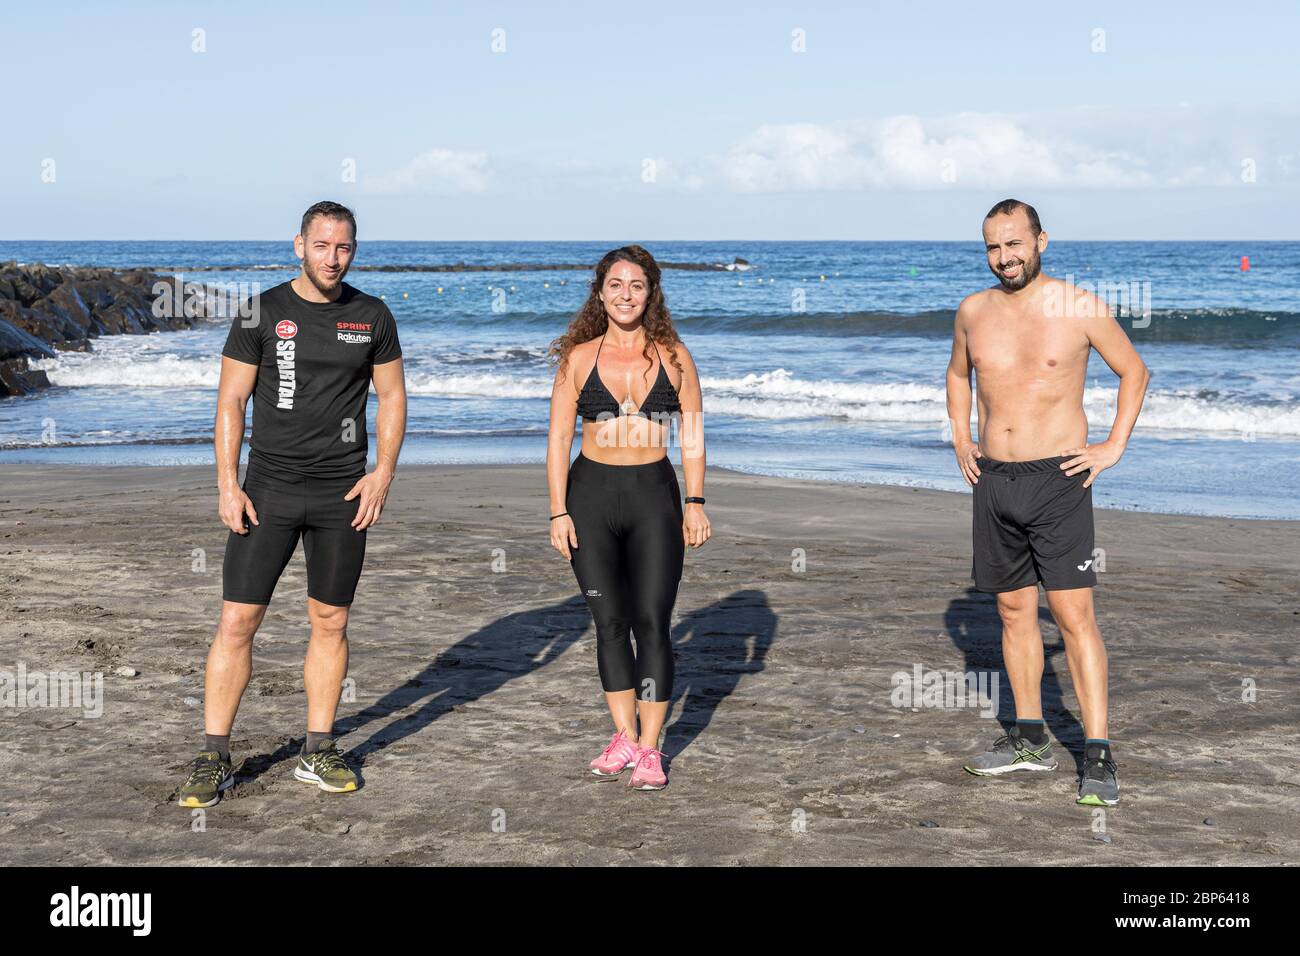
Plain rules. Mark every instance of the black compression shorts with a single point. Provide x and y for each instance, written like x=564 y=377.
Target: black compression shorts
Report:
x=289 y=508
x=1032 y=523
x=628 y=519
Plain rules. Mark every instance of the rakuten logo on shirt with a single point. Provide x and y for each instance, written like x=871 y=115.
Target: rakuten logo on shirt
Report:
x=284 y=360
x=354 y=333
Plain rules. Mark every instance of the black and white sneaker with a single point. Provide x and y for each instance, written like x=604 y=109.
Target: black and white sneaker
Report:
x=1099 y=784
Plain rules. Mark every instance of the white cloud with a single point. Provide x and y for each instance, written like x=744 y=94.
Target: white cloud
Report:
x=437 y=171
x=794 y=157
x=1079 y=149
x=1087 y=147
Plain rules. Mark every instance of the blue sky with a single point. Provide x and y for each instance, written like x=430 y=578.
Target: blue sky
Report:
x=672 y=121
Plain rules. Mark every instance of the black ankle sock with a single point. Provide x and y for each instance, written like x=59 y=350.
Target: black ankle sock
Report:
x=220 y=744
x=314 y=739
x=1095 y=748
x=1033 y=731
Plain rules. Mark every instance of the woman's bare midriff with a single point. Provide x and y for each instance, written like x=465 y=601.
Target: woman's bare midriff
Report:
x=625 y=440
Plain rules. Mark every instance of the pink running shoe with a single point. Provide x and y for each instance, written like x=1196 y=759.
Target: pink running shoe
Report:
x=649 y=773
x=617 y=757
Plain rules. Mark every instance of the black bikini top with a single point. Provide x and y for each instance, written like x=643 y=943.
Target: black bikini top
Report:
x=595 y=399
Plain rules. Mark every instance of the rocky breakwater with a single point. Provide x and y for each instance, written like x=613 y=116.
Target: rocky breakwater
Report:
x=44 y=309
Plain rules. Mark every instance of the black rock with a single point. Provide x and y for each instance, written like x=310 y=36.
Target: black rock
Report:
x=43 y=308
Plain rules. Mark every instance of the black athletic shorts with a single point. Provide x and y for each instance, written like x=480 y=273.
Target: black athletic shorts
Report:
x=289 y=508
x=1031 y=523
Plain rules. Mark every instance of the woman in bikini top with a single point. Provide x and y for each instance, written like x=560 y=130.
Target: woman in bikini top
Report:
x=617 y=513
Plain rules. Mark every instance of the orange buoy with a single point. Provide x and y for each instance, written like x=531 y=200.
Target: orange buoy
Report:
x=1245 y=263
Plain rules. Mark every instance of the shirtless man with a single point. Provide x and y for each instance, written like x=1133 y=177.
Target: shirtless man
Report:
x=1028 y=339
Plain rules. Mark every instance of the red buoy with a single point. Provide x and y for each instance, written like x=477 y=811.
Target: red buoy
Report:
x=1245 y=263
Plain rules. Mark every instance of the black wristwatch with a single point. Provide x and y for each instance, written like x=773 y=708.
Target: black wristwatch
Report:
x=693 y=500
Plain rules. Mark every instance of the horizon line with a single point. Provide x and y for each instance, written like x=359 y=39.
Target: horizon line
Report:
x=289 y=241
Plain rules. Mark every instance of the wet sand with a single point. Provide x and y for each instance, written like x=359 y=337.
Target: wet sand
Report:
x=477 y=703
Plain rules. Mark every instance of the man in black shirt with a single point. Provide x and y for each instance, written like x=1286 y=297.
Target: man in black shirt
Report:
x=307 y=358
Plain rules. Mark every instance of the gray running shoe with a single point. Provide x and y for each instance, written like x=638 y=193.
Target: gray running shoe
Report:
x=209 y=775
x=1012 y=752
x=1099 y=785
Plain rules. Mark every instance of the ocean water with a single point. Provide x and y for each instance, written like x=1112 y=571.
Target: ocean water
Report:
x=822 y=360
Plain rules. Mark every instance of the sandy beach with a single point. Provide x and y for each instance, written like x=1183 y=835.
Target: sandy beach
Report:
x=477 y=705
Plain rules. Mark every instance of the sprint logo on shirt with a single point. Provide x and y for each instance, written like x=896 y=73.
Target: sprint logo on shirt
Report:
x=355 y=333
x=285 y=355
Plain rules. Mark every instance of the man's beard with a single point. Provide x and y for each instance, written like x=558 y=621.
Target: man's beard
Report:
x=1029 y=270
x=324 y=286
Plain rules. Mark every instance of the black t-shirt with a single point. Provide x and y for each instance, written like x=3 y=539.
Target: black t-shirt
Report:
x=313 y=380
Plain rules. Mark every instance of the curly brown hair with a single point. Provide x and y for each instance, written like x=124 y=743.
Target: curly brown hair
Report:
x=591 y=320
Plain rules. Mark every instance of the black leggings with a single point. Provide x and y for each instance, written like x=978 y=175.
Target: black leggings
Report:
x=628 y=519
